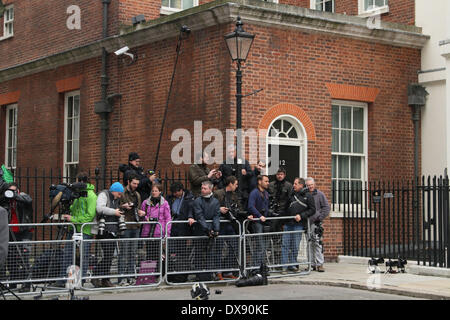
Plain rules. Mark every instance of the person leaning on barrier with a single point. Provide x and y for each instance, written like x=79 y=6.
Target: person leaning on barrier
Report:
x=21 y=212
x=4 y=229
x=258 y=207
x=130 y=202
x=230 y=209
x=300 y=206
x=206 y=207
x=199 y=172
x=322 y=211
x=82 y=210
x=108 y=209
x=181 y=203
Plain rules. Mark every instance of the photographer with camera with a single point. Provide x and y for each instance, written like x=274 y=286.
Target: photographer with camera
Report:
x=230 y=209
x=239 y=168
x=206 y=207
x=300 y=206
x=316 y=232
x=107 y=228
x=20 y=208
x=131 y=203
x=258 y=207
x=146 y=179
x=82 y=210
x=199 y=172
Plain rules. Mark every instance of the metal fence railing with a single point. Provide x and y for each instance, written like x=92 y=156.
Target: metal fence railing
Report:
x=136 y=261
x=407 y=219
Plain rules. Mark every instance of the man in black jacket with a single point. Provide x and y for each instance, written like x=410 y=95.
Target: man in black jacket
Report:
x=240 y=168
x=181 y=203
x=230 y=209
x=300 y=207
x=206 y=207
x=145 y=179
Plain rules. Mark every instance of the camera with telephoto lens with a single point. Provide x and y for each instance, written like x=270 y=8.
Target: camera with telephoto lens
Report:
x=257 y=278
x=233 y=212
x=122 y=224
x=319 y=229
x=274 y=208
x=101 y=225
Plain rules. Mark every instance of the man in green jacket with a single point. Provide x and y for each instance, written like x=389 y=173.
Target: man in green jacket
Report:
x=83 y=210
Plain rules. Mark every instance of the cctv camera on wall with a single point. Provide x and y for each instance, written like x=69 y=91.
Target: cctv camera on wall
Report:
x=124 y=51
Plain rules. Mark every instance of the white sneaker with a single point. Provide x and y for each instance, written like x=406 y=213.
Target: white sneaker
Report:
x=132 y=282
x=123 y=283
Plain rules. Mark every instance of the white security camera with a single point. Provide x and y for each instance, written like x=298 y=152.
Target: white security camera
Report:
x=122 y=51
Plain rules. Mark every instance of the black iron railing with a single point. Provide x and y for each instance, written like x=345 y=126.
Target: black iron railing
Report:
x=407 y=219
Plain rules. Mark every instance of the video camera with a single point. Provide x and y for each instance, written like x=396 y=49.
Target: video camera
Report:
x=233 y=212
x=319 y=229
x=66 y=192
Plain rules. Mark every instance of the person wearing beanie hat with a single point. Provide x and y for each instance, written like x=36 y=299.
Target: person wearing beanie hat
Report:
x=133 y=168
x=116 y=187
x=108 y=209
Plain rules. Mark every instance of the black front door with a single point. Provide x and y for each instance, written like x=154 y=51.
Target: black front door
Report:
x=289 y=159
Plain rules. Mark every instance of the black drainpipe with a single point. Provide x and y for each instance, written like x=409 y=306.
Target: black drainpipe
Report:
x=102 y=107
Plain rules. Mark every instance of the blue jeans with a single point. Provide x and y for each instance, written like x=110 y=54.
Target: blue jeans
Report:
x=256 y=227
x=127 y=256
x=290 y=244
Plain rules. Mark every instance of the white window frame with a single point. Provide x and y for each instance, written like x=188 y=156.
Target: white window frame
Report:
x=364 y=166
x=169 y=10
x=312 y=5
x=7 y=22
x=362 y=12
x=67 y=164
x=301 y=141
x=7 y=138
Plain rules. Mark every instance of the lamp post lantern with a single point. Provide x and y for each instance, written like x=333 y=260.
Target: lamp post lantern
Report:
x=239 y=43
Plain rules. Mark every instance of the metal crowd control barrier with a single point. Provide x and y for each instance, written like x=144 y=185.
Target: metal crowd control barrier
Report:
x=38 y=264
x=138 y=260
x=280 y=250
x=200 y=258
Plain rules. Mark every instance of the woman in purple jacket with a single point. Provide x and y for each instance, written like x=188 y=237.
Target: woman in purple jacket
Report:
x=156 y=209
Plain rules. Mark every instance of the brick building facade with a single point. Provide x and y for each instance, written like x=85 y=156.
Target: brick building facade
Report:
x=318 y=70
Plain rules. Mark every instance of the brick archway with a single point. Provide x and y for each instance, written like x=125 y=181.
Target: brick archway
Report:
x=289 y=109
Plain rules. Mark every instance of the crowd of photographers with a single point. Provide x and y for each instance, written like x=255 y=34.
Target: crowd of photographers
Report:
x=234 y=192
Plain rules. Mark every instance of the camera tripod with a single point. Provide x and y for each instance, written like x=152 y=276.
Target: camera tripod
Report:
x=3 y=288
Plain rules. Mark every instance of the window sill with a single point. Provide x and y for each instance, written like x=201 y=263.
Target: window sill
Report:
x=168 y=10
x=374 y=12
x=357 y=214
x=7 y=37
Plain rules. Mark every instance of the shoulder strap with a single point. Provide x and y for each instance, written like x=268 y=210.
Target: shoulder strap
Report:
x=300 y=202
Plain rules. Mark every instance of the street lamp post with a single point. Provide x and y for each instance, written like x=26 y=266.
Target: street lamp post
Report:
x=238 y=44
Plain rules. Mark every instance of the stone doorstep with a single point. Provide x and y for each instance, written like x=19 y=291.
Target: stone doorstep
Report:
x=410 y=268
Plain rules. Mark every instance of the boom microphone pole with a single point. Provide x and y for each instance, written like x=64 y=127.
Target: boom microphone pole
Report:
x=184 y=30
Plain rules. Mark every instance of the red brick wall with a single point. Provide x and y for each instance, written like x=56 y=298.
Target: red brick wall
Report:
x=131 y=8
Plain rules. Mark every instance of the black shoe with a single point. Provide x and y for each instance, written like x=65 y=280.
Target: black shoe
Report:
x=12 y=286
x=59 y=284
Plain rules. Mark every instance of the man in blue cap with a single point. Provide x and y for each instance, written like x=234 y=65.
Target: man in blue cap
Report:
x=108 y=209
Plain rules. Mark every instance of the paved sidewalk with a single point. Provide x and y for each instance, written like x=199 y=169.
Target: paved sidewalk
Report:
x=356 y=276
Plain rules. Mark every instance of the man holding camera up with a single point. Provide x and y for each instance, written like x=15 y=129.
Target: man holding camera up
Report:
x=133 y=168
x=230 y=209
x=199 y=173
x=108 y=211
x=316 y=232
x=300 y=206
x=82 y=211
x=130 y=202
x=206 y=207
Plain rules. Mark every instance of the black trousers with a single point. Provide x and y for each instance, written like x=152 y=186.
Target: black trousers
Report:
x=104 y=266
